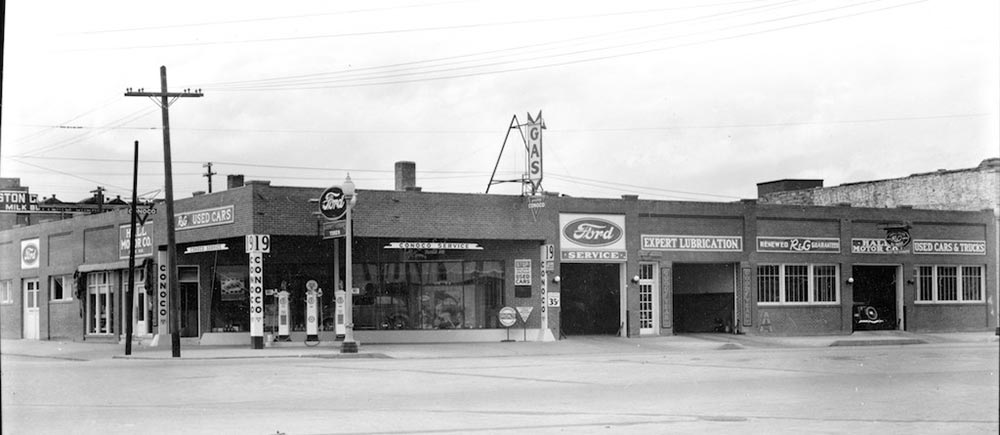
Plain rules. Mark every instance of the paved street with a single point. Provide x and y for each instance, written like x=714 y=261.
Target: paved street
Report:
x=591 y=386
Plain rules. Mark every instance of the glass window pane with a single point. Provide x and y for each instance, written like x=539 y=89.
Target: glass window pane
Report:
x=947 y=283
x=925 y=283
x=768 y=283
x=825 y=283
x=796 y=283
x=972 y=283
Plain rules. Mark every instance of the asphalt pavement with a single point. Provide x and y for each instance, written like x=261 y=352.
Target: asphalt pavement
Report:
x=576 y=345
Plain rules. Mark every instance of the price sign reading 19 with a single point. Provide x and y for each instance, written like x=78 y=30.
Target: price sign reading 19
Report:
x=258 y=243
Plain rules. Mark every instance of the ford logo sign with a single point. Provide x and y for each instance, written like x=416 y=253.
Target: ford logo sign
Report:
x=593 y=232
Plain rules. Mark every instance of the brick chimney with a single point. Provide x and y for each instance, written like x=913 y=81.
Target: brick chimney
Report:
x=234 y=181
x=406 y=176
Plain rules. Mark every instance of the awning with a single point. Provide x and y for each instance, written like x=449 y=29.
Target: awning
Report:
x=84 y=268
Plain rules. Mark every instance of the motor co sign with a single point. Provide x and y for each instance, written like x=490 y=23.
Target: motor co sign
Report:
x=143 y=240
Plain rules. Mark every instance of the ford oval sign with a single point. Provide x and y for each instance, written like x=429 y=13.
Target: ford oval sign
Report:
x=593 y=232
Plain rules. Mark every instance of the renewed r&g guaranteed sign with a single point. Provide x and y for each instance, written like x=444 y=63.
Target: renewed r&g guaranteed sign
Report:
x=798 y=244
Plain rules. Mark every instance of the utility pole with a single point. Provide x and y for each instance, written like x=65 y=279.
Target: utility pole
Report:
x=165 y=100
x=99 y=198
x=129 y=303
x=208 y=173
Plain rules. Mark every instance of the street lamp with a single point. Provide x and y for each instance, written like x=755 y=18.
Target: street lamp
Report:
x=349 y=345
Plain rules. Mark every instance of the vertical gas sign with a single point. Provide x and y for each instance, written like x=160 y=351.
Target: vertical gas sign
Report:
x=533 y=141
x=256 y=246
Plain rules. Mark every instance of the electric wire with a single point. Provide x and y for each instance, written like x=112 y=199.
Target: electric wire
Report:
x=331 y=84
x=384 y=32
x=519 y=50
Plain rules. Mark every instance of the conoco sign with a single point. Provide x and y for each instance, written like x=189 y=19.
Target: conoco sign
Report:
x=593 y=232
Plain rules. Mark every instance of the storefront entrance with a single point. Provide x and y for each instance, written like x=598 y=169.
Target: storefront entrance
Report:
x=704 y=297
x=31 y=316
x=187 y=277
x=875 y=298
x=591 y=299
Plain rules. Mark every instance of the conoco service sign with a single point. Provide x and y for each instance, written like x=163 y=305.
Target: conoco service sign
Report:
x=592 y=238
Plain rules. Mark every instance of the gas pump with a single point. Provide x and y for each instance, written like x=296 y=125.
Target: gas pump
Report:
x=283 y=317
x=339 y=314
x=313 y=292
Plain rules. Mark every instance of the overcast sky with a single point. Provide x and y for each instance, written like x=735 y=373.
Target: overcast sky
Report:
x=693 y=100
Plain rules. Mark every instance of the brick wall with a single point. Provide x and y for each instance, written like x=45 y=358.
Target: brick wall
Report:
x=964 y=189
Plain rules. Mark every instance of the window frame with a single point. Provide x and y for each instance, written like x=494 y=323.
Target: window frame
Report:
x=7 y=292
x=67 y=286
x=960 y=281
x=811 y=286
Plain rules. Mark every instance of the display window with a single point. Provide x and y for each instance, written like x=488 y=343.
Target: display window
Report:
x=428 y=295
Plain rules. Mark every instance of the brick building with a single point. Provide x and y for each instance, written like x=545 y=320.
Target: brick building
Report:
x=433 y=266
x=971 y=189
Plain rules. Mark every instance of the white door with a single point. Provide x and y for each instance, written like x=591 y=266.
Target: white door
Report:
x=31 y=317
x=649 y=300
x=140 y=312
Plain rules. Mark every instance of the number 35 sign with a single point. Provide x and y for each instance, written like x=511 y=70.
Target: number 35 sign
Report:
x=553 y=299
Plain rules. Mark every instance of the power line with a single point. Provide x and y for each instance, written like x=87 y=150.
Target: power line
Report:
x=657 y=189
x=535 y=46
x=597 y=58
x=392 y=31
x=253 y=20
x=520 y=51
x=554 y=130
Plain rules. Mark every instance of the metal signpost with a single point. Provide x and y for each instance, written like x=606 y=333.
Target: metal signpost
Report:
x=507 y=317
x=335 y=204
x=256 y=246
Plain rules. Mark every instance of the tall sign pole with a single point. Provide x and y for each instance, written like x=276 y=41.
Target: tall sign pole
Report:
x=128 y=303
x=335 y=205
x=165 y=100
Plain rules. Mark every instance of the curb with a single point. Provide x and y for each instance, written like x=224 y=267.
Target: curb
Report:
x=223 y=357
x=885 y=342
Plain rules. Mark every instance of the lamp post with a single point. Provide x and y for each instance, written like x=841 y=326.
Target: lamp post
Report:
x=349 y=345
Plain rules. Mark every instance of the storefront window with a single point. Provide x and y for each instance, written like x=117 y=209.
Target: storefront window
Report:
x=60 y=288
x=949 y=283
x=100 y=303
x=230 y=300
x=428 y=295
x=797 y=283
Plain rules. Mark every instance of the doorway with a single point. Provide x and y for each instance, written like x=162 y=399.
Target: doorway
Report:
x=704 y=297
x=591 y=299
x=187 y=280
x=649 y=299
x=875 y=298
x=31 y=316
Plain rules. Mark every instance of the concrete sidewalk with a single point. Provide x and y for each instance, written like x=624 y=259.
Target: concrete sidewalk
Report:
x=585 y=345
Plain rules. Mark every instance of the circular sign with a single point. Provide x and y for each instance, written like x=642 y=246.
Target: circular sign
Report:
x=30 y=254
x=332 y=204
x=898 y=237
x=507 y=316
x=312 y=285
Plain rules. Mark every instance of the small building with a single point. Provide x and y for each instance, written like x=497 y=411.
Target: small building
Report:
x=431 y=266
